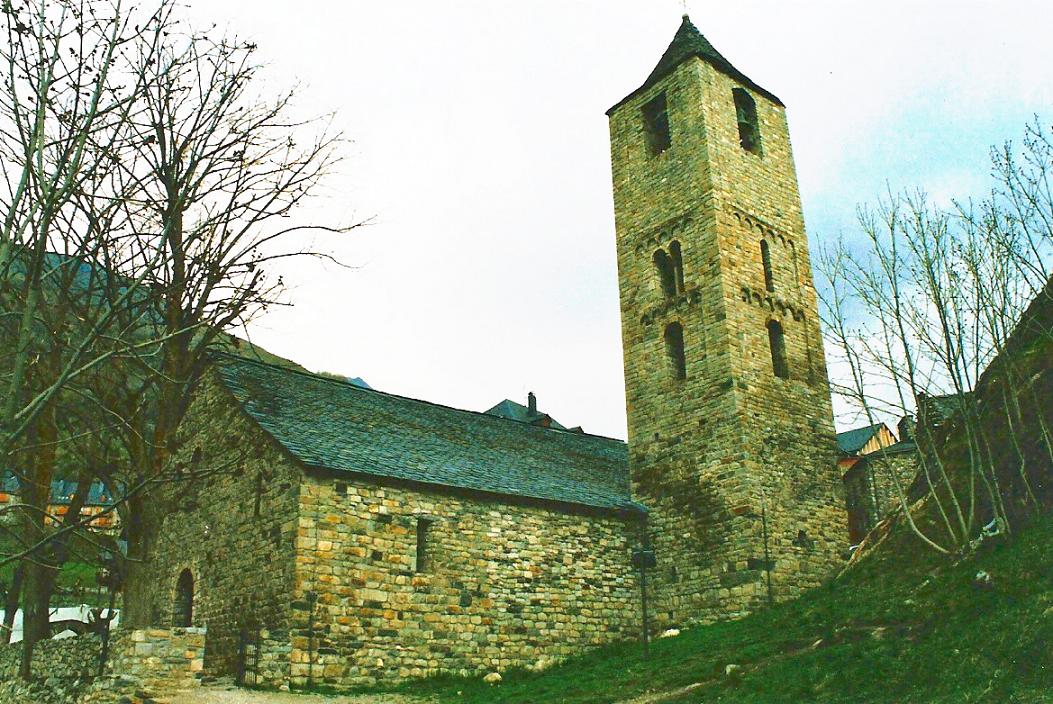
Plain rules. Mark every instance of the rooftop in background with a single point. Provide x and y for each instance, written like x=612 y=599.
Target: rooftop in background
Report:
x=689 y=42
x=332 y=424
x=526 y=414
x=61 y=491
x=851 y=442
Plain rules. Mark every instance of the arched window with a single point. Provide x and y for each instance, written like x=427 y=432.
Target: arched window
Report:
x=678 y=265
x=664 y=267
x=674 y=350
x=746 y=114
x=183 y=609
x=656 y=125
x=765 y=253
x=780 y=367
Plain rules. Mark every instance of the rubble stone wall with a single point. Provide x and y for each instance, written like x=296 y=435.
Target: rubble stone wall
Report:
x=500 y=586
x=140 y=662
x=873 y=487
x=234 y=532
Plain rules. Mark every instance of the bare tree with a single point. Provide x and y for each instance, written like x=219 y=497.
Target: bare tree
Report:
x=61 y=93
x=210 y=184
x=922 y=312
x=147 y=188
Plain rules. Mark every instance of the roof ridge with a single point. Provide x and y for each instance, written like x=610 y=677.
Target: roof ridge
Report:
x=348 y=384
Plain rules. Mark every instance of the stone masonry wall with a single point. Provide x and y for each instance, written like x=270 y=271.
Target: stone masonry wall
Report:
x=235 y=532
x=735 y=464
x=871 y=488
x=503 y=585
x=69 y=659
x=140 y=663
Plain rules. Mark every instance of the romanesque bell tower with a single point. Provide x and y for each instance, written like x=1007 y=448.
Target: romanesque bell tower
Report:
x=731 y=434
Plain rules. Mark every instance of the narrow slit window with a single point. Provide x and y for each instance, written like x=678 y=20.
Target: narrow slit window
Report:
x=656 y=124
x=674 y=349
x=746 y=115
x=780 y=367
x=765 y=253
x=258 y=498
x=423 y=553
x=666 y=277
x=678 y=266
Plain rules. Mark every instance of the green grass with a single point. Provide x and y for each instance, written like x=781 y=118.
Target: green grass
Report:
x=76 y=585
x=904 y=626
x=76 y=581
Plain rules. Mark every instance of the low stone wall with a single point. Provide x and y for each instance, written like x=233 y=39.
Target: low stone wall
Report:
x=140 y=662
x=160 y=658
x=873 y=487
x=69 y=659
x=63 y=671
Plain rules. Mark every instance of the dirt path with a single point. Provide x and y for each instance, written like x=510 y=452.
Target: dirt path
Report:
x=230 y=695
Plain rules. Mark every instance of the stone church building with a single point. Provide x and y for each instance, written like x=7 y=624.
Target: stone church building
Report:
x=349 y=536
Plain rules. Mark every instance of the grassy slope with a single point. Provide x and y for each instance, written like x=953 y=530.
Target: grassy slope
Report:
x=903 y=626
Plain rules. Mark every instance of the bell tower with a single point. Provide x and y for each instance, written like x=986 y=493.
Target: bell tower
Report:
x=731 y=435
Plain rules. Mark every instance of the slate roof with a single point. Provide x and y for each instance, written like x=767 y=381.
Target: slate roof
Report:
x=516 y=411
x=852 y=441
x=338 y=426
x=689 y=42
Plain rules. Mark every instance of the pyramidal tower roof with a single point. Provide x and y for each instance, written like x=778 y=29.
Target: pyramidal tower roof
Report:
x=689 y=42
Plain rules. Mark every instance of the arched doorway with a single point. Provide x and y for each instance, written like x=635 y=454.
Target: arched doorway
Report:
x=183 y=609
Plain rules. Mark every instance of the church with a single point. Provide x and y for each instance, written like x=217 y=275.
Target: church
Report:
x=349 y=536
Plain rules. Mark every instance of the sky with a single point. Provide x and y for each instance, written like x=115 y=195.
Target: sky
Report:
x=478 y=152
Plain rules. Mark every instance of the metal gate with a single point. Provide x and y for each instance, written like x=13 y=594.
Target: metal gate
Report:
x=248 y=656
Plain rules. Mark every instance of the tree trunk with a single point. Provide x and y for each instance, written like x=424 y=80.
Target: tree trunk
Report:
x=138 y=575
x=39 y=566
x=14 y=593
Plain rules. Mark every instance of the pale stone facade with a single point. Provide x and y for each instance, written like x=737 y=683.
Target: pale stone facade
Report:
x=320 y=581
x=737 y=464
x=505 y=585
x=238 y=549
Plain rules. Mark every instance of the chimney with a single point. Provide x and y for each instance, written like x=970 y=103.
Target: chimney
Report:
x=906 y=428
x=532 y=403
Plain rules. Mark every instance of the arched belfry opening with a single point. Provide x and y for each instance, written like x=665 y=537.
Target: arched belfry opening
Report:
x=183 y=608
x=769 y=275
x=666 y=275
x=780 y=366
x=674 y=350
x=677 y=260
x=746 y=115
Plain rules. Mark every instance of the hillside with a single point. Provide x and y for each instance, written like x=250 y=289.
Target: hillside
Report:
x=903 y=626
x=904 y=623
